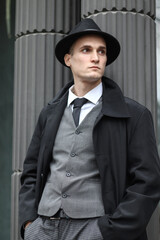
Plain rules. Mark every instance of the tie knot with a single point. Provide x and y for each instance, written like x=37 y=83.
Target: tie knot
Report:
x=79 y=102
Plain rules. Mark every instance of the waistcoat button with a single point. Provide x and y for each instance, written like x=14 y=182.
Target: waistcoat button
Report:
x=77 y=132
x=68 y=174
x=64 y=195
x=73 y=154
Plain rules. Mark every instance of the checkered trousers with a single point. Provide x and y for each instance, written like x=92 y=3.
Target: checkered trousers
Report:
x=63 y=229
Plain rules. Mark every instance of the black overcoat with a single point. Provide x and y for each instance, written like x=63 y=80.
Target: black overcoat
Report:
x=127 y=158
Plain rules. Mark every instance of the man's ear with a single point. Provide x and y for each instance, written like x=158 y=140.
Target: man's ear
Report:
x=67 y=59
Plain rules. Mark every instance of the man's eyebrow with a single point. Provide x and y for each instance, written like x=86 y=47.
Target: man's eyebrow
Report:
x=102 y=46
x=89 y=46
x=85 y=46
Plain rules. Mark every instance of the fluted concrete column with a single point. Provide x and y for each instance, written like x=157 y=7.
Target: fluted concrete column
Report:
x=132 y=22
x=38 y=75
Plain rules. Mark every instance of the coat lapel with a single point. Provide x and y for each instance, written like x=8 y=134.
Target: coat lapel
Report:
x=54 y=114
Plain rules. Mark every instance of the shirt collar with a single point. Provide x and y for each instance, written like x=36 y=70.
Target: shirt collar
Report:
x=92 y=96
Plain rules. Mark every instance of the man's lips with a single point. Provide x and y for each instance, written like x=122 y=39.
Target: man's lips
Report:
x=95 y=67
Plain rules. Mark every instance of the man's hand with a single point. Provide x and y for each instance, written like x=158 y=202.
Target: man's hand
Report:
x=27 y=224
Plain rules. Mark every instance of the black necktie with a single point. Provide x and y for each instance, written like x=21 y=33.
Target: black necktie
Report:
x=77 y=104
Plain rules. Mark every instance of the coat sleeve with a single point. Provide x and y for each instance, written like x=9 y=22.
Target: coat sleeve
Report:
x=133 y=213
x=27 y=206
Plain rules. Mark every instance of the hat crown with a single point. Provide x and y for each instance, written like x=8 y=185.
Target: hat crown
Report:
x=85 y=25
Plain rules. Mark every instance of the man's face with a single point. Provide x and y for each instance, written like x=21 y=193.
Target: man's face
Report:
x=87 y=58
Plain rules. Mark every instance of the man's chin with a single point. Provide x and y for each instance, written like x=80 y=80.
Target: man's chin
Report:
x=94 y=77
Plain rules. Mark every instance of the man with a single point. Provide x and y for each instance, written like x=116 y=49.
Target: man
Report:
x=92 y=169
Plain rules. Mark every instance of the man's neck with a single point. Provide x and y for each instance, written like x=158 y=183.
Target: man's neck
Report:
x=82 y=88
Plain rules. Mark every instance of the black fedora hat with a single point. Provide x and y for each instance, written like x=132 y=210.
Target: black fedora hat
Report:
x=85 y=27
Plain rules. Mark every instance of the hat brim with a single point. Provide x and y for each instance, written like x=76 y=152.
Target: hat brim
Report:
x=63 y=46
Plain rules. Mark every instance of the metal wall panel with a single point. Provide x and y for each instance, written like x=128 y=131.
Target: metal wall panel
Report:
x=89 y=7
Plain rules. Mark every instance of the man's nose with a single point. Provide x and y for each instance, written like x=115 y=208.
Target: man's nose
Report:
x=94 y=57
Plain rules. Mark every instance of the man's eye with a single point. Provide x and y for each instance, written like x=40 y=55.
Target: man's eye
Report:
x=102 y=52
x=85 y=50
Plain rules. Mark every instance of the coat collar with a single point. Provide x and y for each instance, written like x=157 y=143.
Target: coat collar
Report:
x=113 y=101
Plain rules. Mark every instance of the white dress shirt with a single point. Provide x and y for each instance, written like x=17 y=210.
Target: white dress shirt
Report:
x=93 y=97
